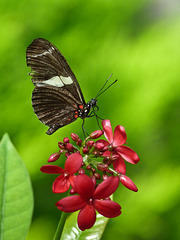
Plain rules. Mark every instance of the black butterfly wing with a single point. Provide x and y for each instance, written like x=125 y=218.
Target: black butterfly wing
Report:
x=49 y=67
x=54 y=108
x=57 y=94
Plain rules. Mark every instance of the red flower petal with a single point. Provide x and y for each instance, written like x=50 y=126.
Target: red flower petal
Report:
x=120 y=136
x=71 y=180
x=84 y=186
x=70 y=204
x=106 y=188
x=106 y=143
x=128 y=154
x=52 y=169
x=119 y=165
x=107 y=130
x=106 y=154
x=107 y=208
x=73 y=163
x=86 y=217
x=127 y=182
x=61 y=184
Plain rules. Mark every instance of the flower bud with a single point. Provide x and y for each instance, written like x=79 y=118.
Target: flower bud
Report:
x=99 y=145
x=79 y=141
x=96 y=134
x=66 y=140
x=61 y=145
x=109 y=163
x=54 y=157
x=97 y=176
x=67 y=154
x=69 y=147
x=128 y=183
x=90 y=143
x=106 y=158
x=72 y=191
x=95 y=153
x=105 y=177
x=100 y=153
x=74 y=137
x=114 y=157
x=81 y=171
x=102 y=167
x=88 y=167
x=85 y=150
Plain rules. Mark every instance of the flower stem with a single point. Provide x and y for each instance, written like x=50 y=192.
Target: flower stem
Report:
x=60 y=226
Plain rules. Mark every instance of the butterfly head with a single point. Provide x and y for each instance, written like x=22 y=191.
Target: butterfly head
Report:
x=93 y=104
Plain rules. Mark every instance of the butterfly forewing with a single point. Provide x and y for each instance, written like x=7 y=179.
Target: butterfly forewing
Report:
x=57 y=94
x=49 y=67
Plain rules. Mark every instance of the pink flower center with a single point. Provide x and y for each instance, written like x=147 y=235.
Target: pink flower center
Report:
x=112 y=147
x=66 y=174
x=91 y=201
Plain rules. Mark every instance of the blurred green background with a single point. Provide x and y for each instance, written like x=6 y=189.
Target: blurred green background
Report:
x=137 y=41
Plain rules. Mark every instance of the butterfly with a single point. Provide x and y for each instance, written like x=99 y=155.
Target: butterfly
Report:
x=57 y=98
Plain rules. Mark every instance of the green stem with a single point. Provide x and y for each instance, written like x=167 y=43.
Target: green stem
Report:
x=116 y=173
x=85 y=160
x=60 y=226
x=93 y=162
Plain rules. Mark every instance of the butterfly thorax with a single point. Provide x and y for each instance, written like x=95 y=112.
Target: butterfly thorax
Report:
x=85 y=111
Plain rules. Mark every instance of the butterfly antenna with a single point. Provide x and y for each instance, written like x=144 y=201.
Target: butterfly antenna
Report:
x=103 y=86
x=100 y=92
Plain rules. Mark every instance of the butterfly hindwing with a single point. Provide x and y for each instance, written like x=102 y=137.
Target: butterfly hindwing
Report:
x=54 y=107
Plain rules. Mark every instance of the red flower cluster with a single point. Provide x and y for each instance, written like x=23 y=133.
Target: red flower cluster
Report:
x=97 y=159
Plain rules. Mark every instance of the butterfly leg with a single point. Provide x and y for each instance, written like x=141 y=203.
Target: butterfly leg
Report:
x=97 y=119
x=92 y=114
x=84 y=130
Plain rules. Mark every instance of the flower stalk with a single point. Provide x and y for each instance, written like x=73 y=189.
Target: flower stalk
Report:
x=60 y=226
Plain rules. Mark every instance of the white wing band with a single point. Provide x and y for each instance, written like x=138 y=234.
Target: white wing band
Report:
x=56 y=81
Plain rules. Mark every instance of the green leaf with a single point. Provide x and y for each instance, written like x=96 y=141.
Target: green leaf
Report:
x=16 y=197
x=71 y=230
